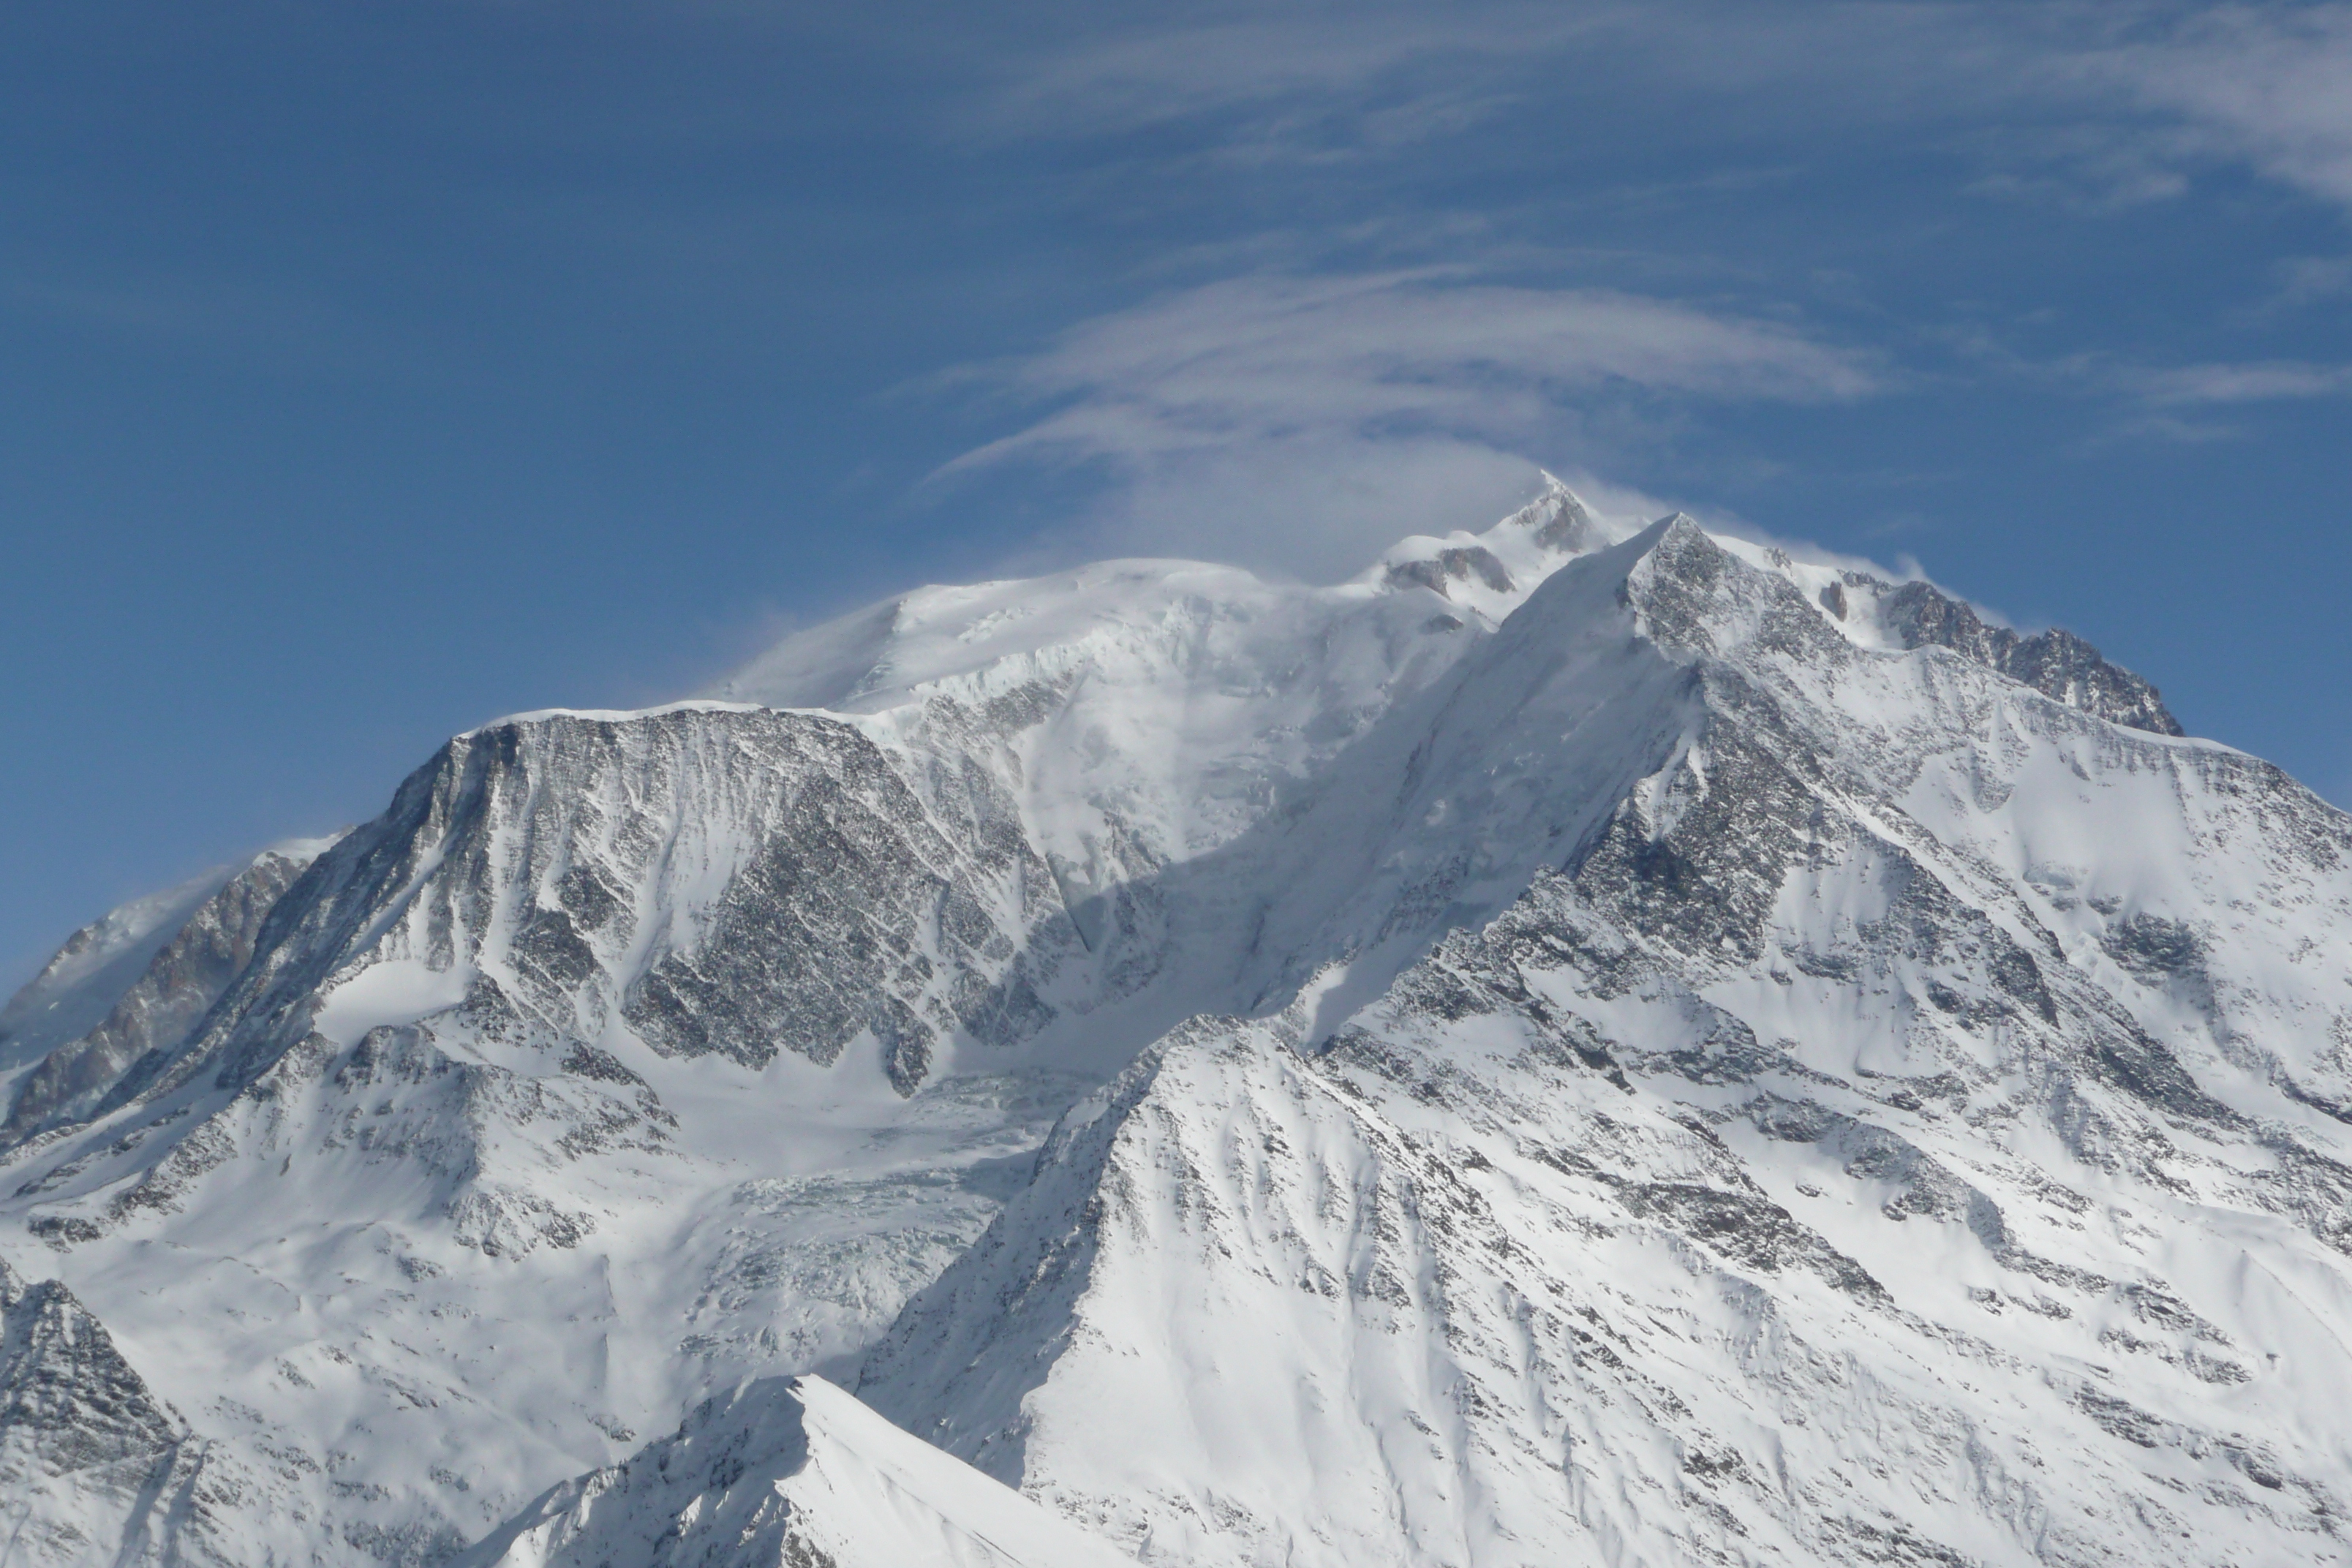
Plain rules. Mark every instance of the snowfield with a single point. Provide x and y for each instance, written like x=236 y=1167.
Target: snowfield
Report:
x=1591 y=1042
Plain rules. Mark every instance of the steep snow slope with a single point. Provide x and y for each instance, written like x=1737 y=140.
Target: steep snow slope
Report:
x=632 y=1055
x=789 y=1472
x=1890 y=1136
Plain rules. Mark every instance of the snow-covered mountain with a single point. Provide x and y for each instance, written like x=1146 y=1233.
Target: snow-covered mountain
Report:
x=1847 y=1153
x=1591 y=1041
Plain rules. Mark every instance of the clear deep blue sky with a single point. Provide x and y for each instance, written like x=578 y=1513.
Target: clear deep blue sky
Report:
x=371 y=369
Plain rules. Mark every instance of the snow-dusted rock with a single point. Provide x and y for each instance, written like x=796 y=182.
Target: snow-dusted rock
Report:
x=95 y=1469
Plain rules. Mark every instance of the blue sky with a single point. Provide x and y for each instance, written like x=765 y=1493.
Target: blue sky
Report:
x=368 y=371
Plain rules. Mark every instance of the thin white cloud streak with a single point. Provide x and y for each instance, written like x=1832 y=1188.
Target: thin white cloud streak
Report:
x=2309 y=279
x=2268 y=85
x=1270 y=358
x=1362 y=78
x=1197 y=61
x=1305 y=66
x=2126 y=97
x=1302 y=424
x=2158 y=400
x=2210 y=385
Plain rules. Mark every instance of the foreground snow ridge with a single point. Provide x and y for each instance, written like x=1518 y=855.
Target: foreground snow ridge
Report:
x=1593 y=1042
x=789 y=1470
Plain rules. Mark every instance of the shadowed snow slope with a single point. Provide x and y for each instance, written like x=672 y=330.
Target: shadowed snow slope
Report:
x=1592 y=1041
x=789 y=1472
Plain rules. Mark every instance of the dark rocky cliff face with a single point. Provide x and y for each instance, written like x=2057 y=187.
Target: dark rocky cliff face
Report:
x=2055 y=663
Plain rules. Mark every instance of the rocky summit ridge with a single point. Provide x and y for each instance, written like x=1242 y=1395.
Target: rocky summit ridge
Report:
x=1592 y=1041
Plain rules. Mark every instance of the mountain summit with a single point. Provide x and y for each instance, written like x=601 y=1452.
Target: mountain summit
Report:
x=1595 y=1040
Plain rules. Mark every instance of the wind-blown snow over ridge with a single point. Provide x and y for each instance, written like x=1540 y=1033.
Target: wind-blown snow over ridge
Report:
x=202 y=950
x=1565 y=1030
x=96 y=965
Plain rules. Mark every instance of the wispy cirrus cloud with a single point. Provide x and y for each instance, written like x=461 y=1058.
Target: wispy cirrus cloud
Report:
x=2218 y=385
x=2270 y=86
x=1301 y=423
x=1310 y=408
x=2122 y=99
x=1390 y=74
x=2171 y=401
x=1261 y=356
x=2307 y=279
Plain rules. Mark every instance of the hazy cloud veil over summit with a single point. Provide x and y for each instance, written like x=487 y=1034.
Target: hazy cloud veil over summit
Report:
x=1301 y=423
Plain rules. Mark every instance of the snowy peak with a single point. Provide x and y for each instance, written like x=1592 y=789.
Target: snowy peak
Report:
x=789 y=1472
x=1490 y=574
x=1813 y=1023
x=1559 y=523
x=1768 y=1141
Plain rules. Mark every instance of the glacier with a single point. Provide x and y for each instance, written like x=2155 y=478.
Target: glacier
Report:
x=1599 y=1040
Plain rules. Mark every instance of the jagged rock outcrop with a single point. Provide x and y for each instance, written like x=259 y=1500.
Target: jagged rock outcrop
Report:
x=1452 y=564
x=2055 y=663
